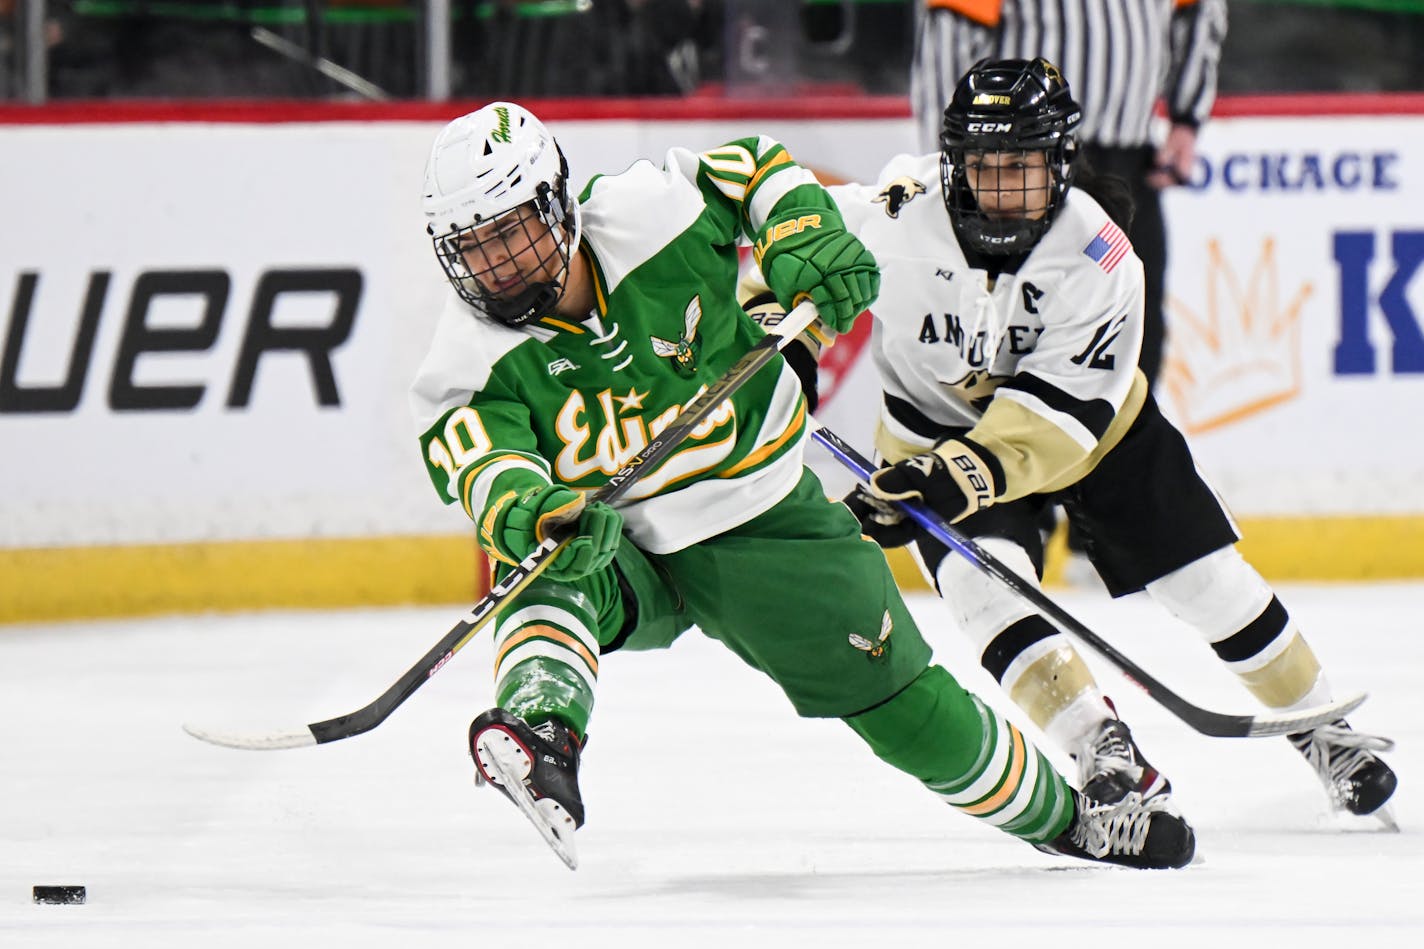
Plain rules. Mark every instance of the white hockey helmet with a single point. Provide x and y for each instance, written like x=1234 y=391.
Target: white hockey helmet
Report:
x=496 y=190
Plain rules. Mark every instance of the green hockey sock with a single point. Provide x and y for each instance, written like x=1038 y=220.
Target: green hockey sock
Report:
x=546 y=656
x=969 y=755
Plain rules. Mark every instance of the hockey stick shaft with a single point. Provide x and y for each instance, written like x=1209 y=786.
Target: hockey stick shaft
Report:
x=285 y=47
x=1216 y=724
x=658 y=449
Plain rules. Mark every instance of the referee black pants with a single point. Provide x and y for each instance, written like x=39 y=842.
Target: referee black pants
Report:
x=1148 y=234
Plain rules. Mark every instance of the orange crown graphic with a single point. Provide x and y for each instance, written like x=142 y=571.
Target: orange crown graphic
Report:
x=1239 y=355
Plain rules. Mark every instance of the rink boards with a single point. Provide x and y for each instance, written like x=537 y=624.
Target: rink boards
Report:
x=210 y=326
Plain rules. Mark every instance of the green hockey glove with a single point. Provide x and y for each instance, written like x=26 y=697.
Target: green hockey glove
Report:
x=809 y=253
x=520 y=524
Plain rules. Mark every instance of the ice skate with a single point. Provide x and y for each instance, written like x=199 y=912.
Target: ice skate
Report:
x=536 y=768
x=1110 y=766
x=1356 y=780
x=1133 y=832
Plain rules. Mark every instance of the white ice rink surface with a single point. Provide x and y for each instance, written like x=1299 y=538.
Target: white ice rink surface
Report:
x=716 y=817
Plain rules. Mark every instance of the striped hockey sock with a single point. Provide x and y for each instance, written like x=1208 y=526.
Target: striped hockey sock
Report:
x=969 y=755
x=546 y=656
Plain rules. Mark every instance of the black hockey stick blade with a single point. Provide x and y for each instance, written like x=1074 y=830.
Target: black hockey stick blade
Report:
x=368 y=717
x=1215 y=724
x=658 y=449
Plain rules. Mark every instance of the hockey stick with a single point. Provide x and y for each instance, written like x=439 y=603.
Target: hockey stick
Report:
x=658 y=449
x=298 y=54
x=1216 y=724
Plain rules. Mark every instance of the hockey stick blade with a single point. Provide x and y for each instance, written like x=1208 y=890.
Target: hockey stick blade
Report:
x=1215 y=724
x=369 y=716
x=1288 y=723
x=659 y=448
x=269 y=742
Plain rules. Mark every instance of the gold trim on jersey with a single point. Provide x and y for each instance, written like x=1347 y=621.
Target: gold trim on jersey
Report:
x=761 y=454
x=562 y=325
x=783 y=158
x=1050 y=451
x=1037 y=456
x=600 y=291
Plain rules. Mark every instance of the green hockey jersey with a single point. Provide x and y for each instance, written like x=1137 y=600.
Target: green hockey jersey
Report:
x=501 y=408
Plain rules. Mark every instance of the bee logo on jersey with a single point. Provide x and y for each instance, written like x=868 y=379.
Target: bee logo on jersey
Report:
x=899 y=193
x=683 y=353
x=879 y=648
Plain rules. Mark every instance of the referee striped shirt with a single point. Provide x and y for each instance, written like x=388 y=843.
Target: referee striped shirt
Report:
x=1119 y=57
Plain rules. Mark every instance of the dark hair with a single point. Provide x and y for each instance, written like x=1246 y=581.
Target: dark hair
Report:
x=1111 y=191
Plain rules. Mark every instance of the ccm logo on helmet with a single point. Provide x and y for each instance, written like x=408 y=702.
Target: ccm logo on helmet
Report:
x=990 y=126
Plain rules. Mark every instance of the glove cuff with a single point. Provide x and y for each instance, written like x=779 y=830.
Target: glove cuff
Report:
x=507 y=493
x=975 y=469
x=566 y=509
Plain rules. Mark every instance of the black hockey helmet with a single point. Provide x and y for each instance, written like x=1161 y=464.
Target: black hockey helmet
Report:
x=1007 y=106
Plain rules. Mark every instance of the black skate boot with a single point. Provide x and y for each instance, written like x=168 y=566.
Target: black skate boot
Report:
x=1356 y=780
x=536 y=767
x=1110 y=766
x=1132 y=832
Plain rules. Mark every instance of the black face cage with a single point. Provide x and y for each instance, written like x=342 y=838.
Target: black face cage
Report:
x=533 y=289
x=1007 y=234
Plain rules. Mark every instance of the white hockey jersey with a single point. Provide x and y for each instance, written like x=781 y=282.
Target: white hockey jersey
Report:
x=1039 y=366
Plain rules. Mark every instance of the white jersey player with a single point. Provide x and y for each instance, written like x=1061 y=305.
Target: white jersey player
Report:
x=1007 y=336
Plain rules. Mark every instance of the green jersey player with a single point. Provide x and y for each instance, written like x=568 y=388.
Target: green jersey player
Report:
x=576 y=331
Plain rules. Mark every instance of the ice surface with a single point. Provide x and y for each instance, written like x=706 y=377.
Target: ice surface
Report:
x=716 y=817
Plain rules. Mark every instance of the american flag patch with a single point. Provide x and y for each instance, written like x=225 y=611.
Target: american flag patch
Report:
x=1108 y=247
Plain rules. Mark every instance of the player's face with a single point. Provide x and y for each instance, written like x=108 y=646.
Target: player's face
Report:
x=1009 y=184
x=508 y=253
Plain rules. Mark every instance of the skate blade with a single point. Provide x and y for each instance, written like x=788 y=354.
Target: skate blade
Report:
x=551 y=820
x=1385 y=815
x=1338 y=819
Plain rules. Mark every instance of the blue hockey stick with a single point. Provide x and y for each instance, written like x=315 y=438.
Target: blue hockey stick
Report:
x=1216 y=724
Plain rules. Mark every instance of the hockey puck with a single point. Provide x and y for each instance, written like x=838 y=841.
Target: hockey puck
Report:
x=60 y=895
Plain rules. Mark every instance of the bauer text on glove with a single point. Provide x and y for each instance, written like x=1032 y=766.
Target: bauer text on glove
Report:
x=520 y=523
x=809 y=253
x=955 y=479
x=802 y=354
